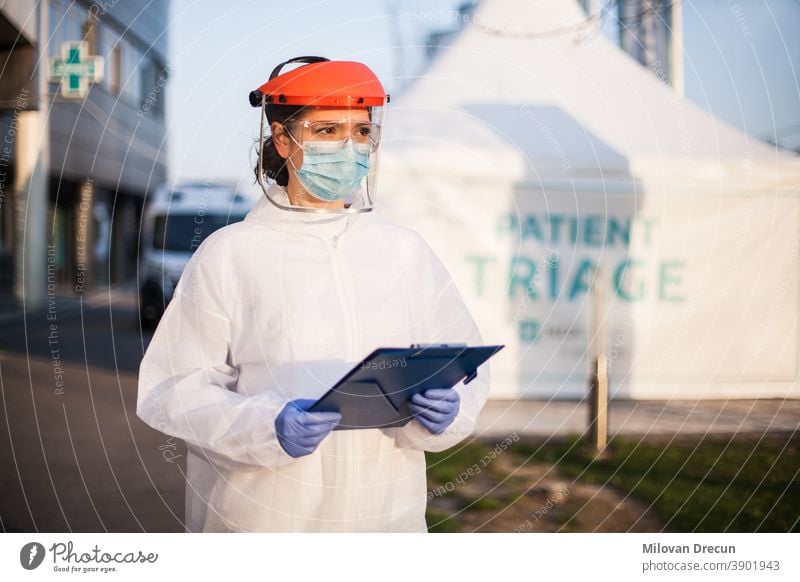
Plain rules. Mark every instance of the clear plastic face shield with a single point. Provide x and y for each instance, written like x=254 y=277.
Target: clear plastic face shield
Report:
x=331 y=154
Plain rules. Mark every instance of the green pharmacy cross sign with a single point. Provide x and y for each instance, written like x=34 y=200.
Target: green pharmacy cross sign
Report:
x=76 y=69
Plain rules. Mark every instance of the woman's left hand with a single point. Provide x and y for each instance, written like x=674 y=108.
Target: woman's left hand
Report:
x=435 y=408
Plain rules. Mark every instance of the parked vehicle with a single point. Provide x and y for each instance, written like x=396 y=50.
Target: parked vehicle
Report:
x=176 y=221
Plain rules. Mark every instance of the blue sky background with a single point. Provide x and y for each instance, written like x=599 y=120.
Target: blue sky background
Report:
x=741 y=61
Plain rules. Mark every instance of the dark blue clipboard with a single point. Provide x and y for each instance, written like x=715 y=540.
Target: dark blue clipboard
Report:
x=375 y=393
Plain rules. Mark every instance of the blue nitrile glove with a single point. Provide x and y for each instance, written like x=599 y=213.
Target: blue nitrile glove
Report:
x=435 y=408
x=299 y=431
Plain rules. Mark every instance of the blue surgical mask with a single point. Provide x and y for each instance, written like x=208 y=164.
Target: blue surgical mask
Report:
x=332 y=176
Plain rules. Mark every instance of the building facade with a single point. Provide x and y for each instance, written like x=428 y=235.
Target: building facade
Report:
x=75 y=226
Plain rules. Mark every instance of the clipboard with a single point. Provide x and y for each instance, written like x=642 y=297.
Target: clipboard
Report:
x=375 y=393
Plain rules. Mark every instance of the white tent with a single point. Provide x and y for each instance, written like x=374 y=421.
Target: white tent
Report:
x=528 y=160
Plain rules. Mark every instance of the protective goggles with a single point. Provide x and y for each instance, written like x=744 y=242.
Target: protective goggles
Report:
x=332 y=136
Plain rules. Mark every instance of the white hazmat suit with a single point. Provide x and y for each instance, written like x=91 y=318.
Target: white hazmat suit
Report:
x=278 y=307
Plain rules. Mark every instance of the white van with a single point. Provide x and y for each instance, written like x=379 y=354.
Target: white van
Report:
x=176 y=220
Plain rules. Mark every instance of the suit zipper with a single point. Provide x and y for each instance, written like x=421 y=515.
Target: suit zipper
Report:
x=346 y=298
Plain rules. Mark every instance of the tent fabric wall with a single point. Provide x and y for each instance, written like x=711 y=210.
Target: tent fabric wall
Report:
x=532 y=165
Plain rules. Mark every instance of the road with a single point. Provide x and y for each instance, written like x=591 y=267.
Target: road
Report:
x=74 y=456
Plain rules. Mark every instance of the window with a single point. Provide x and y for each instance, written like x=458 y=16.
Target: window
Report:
x=56 y=21
x=114 y=68
x=67 y=20
x=127 y=72
x=75 y=21
x=160 y=88
x=108 y=41
x=90 y=34
x=130 y=73
x=153 y=78
x=148 y=80
x=185 y=232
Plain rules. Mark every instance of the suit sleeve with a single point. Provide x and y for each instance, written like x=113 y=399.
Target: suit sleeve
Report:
x=187 y=384
x=448 y=321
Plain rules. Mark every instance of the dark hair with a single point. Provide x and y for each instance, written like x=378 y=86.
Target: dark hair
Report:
x=275 y=165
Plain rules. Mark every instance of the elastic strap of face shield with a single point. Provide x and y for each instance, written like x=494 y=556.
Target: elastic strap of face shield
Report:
x=255 y=96
x=307 y=60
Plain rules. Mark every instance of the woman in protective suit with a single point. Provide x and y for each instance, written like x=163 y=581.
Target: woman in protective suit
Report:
x=270 y=312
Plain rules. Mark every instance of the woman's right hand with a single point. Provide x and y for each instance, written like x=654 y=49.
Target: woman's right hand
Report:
x=299 y=431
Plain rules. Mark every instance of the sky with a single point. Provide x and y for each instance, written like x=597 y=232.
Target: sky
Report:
x=742 y=61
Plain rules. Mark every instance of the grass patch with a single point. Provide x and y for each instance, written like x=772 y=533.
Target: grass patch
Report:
x=713 y=485
x=440 y=522
x=447 y=465
x=737 y=484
